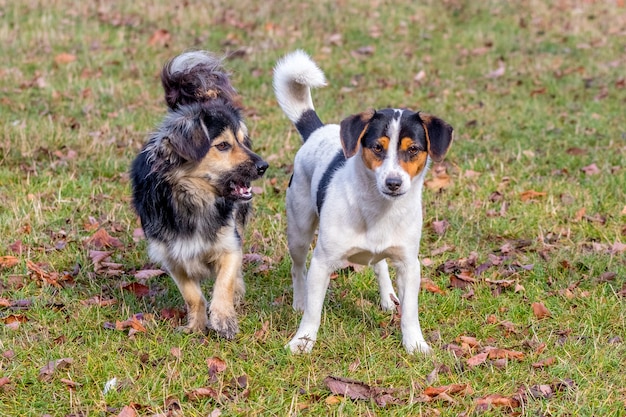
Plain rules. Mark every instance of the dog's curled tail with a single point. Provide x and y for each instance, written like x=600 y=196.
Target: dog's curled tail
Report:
x=193 y=77
x=294 y=76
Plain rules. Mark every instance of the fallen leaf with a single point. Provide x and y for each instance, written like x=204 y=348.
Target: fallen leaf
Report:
x=498 y=72
x=160 y=37
x=215 y=365
x=64 y=58
x=355 y=390
x=497 y=400
x=204 y=392
x=69 y=383
x=145 y=274
x=546 y=362
x=540 y=311
x=261 y=334
x=440 y=178
x=498 y=353
x=127 y=411
x=46 y=373
x=591 y=169
x=478 y=359
x=430 y=286
x=139 y=290
x=463 y=389
x=463 y=279
x=531 y=195
x=97 y=300
x=102 y=239
x=8 y=261
x=440 y=226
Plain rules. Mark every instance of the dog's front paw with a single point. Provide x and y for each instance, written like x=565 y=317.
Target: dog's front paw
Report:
x=198 y=323
x=299 y=303
x=388 y=302
x=225 y=325
x=417 y=347
x=299 y=345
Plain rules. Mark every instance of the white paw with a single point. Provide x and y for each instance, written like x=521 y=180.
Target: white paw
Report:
x=299 y=303
x=387 y=302
x=417 y=347
x=299 y=345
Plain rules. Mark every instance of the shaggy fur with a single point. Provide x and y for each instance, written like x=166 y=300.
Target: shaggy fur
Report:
x=360 y=184
x=191 y=188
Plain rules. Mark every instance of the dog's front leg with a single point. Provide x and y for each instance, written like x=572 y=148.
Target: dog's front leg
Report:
x=408 y=276
x=387 y=294
x=191 y=291
x=223 y=316
x=317 y=281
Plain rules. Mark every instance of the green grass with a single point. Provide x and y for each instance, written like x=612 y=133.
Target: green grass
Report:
x=69 y=130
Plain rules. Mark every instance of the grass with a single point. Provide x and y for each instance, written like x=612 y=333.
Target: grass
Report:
x=71 y=124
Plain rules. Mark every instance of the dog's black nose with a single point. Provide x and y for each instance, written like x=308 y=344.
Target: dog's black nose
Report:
x=393 y=183
x=261 y=166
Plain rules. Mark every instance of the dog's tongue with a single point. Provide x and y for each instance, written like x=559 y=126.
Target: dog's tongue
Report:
x=241 y=191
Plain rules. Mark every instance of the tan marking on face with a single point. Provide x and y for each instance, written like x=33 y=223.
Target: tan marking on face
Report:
x=214 y=164
x=373 y=160
x=415 y=164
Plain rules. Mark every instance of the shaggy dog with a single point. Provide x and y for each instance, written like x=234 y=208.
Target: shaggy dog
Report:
x=191 y=189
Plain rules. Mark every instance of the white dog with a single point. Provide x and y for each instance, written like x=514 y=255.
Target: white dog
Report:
x=361 y=183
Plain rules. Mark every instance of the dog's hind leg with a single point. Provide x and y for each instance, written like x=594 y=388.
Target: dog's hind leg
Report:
x=223 y=317
x=387 y=293
x=196 y=303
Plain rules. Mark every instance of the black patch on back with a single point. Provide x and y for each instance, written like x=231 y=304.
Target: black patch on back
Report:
x=308 y=123
x=338 y=161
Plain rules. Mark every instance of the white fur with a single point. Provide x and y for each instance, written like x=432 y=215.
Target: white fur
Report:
x=358 y=223
x=294 y=76
x=190 y=59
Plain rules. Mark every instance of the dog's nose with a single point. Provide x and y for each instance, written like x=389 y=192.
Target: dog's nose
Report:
x=261 y=166
x=393 y=183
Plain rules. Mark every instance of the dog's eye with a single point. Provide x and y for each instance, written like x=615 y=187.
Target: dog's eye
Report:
x=378 y=148
x=413 y=150
x=223 y=146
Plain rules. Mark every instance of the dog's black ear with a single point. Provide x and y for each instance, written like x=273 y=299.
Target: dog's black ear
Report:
x=188 y=138
x=438 y=135
x=352 y=129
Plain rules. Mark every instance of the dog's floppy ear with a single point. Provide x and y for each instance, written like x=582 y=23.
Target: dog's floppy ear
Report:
x=188 y=138
x=352 y=129
x=438 y=135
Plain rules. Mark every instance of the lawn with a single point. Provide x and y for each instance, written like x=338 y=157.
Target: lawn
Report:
x=524 y=242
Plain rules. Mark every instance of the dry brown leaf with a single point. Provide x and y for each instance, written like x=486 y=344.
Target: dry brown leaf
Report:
x=540 y=311
x=430 y=286
x=8 y=261
x=102 y=239
x=145 y=274
x=497 y=400
x=215 y=365
x=139 y=290
x=127 y=411
x=97 y=300
x=477 y=359
x=46 y=373
x=462 y=389
x=497 y=353
x=160 y=37
x=591 y=169
x=531 y=195
x=261 y=334
x=64 y=58
x=546 y=362
x=204 y=392
x=440 y=226
x=440 y=178
x=355 y=390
